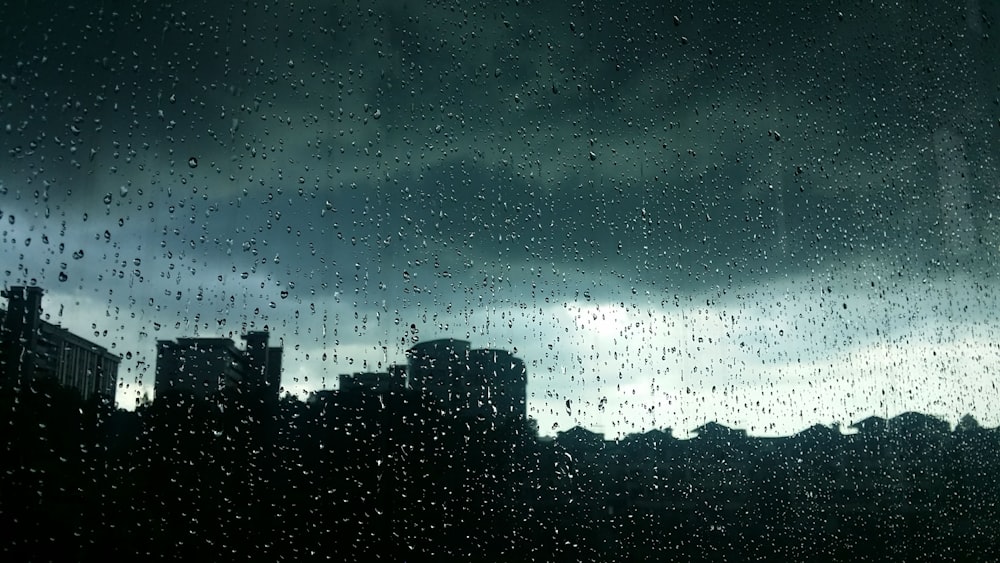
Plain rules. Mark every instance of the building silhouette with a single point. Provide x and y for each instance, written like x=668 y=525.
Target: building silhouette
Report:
x=34 y=349
x=482 y=383
x=393 y=380
x=461 y=381
x=205 y=366
x=263 y=362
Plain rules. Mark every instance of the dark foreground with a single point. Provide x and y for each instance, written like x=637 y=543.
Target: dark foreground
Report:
x=384 y=478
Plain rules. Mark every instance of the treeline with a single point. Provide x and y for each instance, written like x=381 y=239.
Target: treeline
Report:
x=904 y=489
x=366 y=478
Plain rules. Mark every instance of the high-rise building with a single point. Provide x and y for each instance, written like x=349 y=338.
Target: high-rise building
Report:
x=485 y=383
x=501 y=380
x=205 y=366
x=263 y=362
x=393 y=380
x=33 y=348
x=438 y=368
x=200 y=366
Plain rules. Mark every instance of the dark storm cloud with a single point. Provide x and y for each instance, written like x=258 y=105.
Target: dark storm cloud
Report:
x=605 y=137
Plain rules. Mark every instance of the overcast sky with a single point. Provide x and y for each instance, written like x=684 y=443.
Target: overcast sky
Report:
x=769 y=216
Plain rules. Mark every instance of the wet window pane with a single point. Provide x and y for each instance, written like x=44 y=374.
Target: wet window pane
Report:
x=499 y=281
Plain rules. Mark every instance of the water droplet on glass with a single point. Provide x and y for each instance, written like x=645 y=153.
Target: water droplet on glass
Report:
x=193 y=162
x=63 y=277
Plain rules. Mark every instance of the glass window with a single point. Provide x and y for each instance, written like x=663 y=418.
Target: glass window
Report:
x=511 y=281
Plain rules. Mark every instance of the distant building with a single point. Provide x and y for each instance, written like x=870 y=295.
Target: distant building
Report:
x=479 y=383
x=33 y=348
x=263 y=362
x=201 y=366
x=438 y=368
x=484 y=383
x=497 y=384
x=205 y=366
x=375 y=382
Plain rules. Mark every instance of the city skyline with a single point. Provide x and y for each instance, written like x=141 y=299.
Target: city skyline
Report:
x=398 y=476
x=357 y=381
x=770 y=217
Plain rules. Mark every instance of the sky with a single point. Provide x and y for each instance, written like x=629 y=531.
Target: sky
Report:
x=768 y=215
